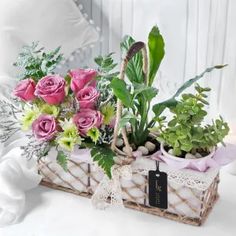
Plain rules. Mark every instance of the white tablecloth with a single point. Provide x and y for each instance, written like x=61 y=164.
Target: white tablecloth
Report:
x=56 y=213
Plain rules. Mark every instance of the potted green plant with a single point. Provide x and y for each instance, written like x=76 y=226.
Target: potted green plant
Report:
x=185 y=138
x=135 y=93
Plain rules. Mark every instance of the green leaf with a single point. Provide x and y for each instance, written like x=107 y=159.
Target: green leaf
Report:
x=104 y=157
x=62 y=160
x=98 y=60
x=148 y=92
x=35 y=63
x=121 y=92
x=156 y=52
x=160 y=107
x=134 y=70
x=127 y=118
x=190 y=82
x=172 y=123
x=106 y=63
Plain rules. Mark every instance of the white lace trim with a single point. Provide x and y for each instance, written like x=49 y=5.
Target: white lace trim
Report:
x=186 y=177
x=111 y=188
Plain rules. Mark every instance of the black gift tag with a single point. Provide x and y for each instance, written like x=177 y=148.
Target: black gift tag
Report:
x=158 y=188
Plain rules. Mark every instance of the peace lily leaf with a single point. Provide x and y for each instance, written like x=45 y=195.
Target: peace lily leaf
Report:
x=62 y=160
x=120 y=90
x=148 y=92
x=156 y=52
x=104 y=158
x=134 y=70
x=160 y=107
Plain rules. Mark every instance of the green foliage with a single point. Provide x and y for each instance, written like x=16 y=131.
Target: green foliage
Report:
x=136 y=98
x=185 y=132
x=35 y=63
x=137 y=94
x=156 y=52
x=121 y=91
x=160 y=107
x=134 y=69
x=127 y=117
x=106 y=73
x=62 y=160
x=104 y=158
x=106 y=65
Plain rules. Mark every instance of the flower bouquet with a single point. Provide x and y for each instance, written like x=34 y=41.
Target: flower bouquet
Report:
x=93 y=134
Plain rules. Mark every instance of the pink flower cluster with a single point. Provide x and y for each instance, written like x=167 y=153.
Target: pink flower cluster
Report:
x=52 y=90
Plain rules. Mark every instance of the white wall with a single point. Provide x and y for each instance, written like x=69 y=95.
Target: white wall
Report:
x=198 y=34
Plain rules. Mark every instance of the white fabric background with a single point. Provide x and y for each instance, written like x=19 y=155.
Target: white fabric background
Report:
x=51 y=22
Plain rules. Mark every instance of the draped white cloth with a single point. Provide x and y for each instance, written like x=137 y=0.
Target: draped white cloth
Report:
x=17 y=175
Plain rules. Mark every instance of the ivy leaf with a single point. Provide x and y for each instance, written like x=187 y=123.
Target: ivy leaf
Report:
x=120 y=90
x=62 y=160
x=156 y=52
x=104 y=158
x=134 y=70
x=160 y=107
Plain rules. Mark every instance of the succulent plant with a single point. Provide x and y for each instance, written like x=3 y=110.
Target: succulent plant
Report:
x=185 y=132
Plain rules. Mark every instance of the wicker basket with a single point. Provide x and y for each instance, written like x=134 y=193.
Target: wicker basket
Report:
x=186 y=204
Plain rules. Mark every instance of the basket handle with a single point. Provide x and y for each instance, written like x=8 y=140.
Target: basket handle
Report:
x=135 y=48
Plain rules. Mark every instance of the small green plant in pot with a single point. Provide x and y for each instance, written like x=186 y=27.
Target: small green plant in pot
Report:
x=185 y=135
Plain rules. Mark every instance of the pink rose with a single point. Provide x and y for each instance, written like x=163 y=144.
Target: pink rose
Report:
x=44 y=128
x=82 y=77
x=25 y=90
x=51 y=89
x=87 y=119
x=87 y=97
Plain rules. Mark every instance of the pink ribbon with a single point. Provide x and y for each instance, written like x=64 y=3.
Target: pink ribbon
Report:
x=223 y=156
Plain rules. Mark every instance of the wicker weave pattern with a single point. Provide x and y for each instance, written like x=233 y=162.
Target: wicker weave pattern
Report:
x=185 y=204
